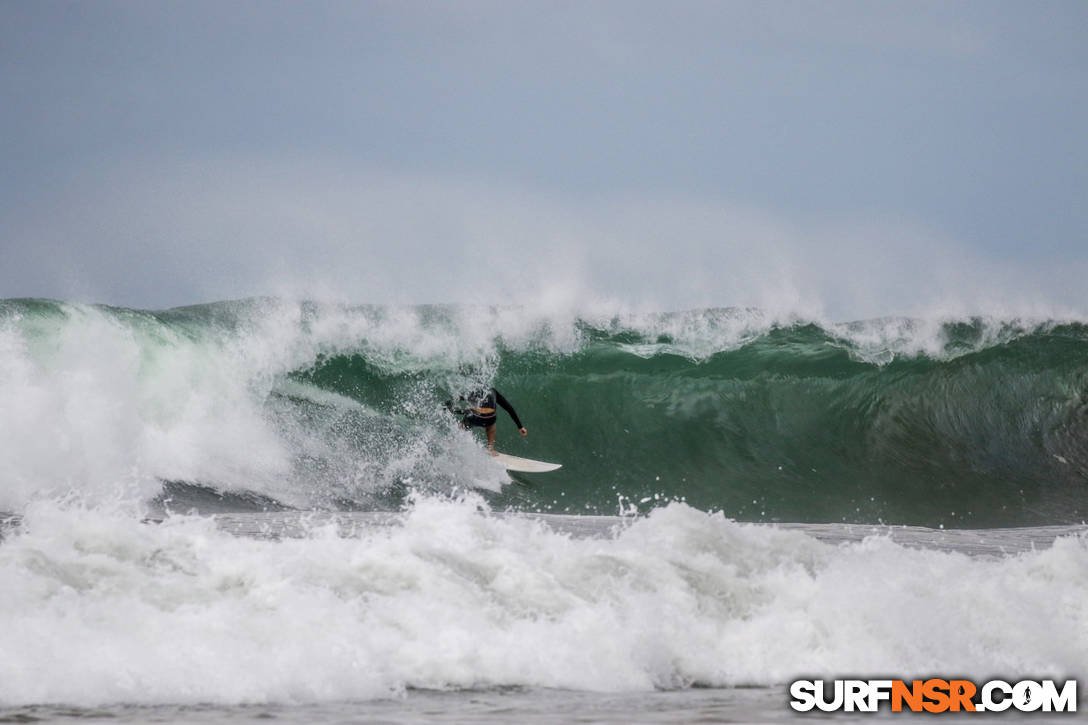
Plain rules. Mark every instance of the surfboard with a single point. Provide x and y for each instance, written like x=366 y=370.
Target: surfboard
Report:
x=524 y=465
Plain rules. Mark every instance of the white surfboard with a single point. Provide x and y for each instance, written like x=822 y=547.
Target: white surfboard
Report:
x=524 y=465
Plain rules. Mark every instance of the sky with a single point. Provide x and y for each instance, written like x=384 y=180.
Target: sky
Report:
x=844 y=158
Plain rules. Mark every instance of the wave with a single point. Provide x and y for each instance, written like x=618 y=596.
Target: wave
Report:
x=945 y=422
x=99 y=608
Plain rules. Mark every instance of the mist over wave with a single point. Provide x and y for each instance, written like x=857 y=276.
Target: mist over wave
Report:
x=955 y=422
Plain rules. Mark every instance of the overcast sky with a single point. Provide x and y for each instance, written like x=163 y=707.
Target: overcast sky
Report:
x=841 y=158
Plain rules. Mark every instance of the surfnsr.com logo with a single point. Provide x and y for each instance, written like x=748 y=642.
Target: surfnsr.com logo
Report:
x=933 y=695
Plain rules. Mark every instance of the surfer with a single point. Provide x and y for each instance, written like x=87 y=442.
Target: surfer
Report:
x=479 y=410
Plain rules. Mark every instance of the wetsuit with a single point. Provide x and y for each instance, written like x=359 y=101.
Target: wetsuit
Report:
x=483 y=399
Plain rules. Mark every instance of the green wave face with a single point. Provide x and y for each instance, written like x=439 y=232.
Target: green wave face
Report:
x=973 y=422
x=790 y=426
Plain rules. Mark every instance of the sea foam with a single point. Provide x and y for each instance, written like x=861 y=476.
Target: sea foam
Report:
x=99 y=608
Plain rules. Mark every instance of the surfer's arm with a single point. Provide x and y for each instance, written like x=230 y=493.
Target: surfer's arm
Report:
x=509 y=409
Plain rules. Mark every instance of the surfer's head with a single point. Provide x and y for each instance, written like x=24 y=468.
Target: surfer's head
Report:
x=472 y=375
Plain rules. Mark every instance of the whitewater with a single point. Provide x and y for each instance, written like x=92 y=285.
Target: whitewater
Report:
x=262 y=508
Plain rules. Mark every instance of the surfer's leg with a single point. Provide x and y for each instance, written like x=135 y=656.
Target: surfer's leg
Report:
x=491 y=438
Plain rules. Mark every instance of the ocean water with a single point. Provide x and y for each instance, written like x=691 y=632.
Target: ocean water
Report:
x=261 y=509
